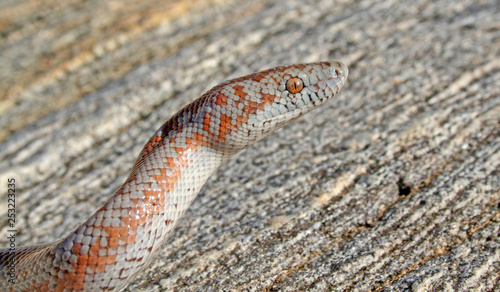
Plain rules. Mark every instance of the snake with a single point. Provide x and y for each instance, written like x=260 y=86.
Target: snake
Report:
x=122 y=237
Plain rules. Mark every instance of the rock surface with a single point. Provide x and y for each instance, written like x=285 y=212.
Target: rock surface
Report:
x=394 y=185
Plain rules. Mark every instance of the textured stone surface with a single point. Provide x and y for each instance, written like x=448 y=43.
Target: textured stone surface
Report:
x=394 y=185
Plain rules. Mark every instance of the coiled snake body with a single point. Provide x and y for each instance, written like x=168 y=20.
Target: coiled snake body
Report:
x=124 y=236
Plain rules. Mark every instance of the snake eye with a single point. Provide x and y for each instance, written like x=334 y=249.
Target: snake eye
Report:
x=294 y=85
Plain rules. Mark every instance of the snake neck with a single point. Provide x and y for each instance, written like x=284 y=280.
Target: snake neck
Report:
x=121 y=238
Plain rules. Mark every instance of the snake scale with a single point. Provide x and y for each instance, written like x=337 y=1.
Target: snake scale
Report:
x=122 y=237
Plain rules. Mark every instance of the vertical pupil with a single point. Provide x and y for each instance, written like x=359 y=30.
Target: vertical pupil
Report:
x=294 y=85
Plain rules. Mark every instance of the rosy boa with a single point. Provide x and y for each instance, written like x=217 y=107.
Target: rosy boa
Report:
x=122 y=238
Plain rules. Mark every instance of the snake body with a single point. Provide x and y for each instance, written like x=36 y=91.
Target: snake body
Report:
x=123 y=236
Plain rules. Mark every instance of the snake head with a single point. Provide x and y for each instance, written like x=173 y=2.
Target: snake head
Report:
x=250 y=107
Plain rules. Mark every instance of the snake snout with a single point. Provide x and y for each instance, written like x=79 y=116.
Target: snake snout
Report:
x=338 y=72
x=342 y=68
